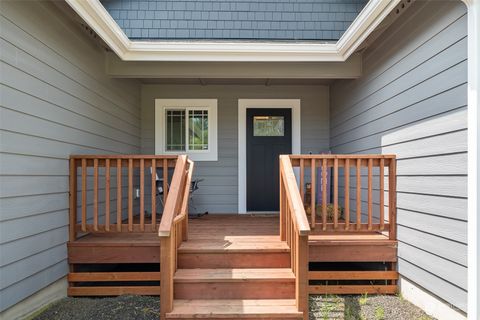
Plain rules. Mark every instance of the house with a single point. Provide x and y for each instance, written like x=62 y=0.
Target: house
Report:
x=232 y=85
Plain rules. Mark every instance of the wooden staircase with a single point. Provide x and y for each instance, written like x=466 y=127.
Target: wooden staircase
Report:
x=243 y=277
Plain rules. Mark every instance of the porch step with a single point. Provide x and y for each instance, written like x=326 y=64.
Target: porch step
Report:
x=234 y=252
x=271 y=283
x=235 y=309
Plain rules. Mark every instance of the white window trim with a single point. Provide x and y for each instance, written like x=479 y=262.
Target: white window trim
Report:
x=161 y=105
x=243 y=105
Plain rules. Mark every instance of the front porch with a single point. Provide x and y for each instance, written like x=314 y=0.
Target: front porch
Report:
x=247 y=265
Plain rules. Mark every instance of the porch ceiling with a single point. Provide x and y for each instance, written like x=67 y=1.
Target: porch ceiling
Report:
x=236 y=81
x=351 y=68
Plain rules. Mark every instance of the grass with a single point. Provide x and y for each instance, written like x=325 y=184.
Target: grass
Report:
x=363 y=299
x=363 y=307
x=379 y=313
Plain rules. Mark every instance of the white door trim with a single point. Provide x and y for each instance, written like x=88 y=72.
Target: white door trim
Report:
x=243 y=105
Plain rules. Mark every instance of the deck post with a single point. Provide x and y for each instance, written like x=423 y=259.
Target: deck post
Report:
x=301 y=278
x=166 y=276
x=73 y=200
x=392 y=198
x=283 y=235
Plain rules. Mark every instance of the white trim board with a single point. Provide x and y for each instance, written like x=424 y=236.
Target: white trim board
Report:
x=427 y=301
x=95 y=15
x=29 y=306
x=473 y=7
x=243 y=105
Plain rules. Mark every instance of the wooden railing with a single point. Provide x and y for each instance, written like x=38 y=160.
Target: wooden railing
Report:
x=173 y=230
x=357 y=210
x=294 y=229
x=102 y=192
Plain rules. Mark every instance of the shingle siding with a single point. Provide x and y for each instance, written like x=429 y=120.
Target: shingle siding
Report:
x=412 y=101
x=259 y=20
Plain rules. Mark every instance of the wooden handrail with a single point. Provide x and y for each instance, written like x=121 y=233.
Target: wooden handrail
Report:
x=172 y=204
x=98 y=179
x=294 y=230
x=173 y=229
x=365 y=200
x=293 y=194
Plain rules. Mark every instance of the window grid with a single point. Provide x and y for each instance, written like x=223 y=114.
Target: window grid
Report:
x=178 y=129
x=198 y=129
x=175 y=118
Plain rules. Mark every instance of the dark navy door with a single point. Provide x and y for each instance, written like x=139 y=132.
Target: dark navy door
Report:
x=269 y=134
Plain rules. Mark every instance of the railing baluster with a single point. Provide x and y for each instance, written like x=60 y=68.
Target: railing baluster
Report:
x=335 y=193
x=382 y=194
x=154 y=193
x=84 y=195
x=119 y=195
x=165 y=180
x=107 y=195
x=302 y=179
x=95 y=194
x=282 y=208
x=370 y=202
x=324 y=194
x=313 y=192
x=359 y=195
x=392 y=199
x=347 y=193
x=142 y=195
x=130 y=194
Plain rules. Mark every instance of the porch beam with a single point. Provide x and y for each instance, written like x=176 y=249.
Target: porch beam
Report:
x=350 y=69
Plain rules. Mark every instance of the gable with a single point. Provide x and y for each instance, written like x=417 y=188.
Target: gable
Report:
x=234 y=20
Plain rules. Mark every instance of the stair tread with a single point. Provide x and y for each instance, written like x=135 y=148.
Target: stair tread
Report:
x=260 y=244
x=234 y=274
x=238 y=308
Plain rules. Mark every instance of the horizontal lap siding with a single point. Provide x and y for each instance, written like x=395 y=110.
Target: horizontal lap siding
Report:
x=55 y=101
x=411 y=101
x=218 y=192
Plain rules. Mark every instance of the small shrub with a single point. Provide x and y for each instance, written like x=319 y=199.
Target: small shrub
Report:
x=379 y=313
x=363 y=299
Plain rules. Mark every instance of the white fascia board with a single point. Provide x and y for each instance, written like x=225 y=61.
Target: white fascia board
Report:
x=97 y=17
x=370 y=17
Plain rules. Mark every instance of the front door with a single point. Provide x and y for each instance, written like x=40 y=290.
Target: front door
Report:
x=269 y=134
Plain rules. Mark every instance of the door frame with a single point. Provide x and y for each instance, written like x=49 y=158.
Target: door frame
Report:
x=243 y=105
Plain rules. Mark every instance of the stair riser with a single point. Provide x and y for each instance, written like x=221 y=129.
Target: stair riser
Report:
x=233 y=260
x=235 y=290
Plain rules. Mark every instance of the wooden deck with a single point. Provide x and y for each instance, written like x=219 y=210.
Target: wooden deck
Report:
x=232 y=266
x=229 y=249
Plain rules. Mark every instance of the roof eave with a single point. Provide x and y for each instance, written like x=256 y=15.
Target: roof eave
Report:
x=97 y=17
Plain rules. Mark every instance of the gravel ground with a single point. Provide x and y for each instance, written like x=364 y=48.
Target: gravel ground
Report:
x=118 y=308
x=364 y=308
x=146 y=308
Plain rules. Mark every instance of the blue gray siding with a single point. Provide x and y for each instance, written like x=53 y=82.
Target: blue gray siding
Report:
x=247 y=19
x=218 y=192
x=412 y=101
x=55 y=101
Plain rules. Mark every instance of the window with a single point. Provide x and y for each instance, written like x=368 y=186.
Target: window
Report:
x=268 y=126
x=186 y=126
